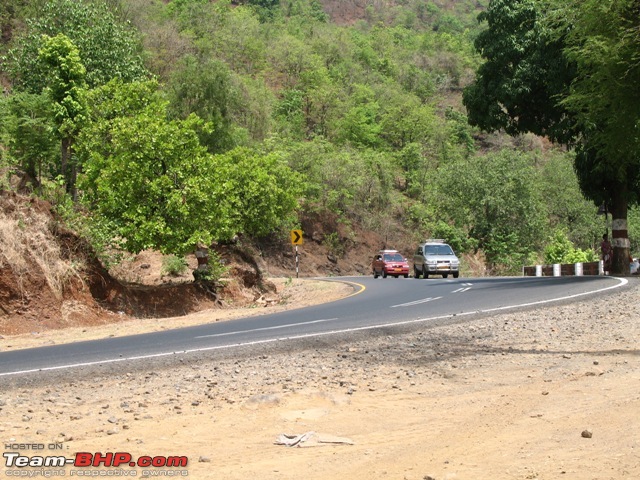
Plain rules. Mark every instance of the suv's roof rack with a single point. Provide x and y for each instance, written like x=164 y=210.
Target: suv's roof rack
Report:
x=434 y=240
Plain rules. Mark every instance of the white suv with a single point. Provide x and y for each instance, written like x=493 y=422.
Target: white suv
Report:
x=434 y=257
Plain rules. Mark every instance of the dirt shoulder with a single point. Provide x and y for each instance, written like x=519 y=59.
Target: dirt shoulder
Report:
x=542 y=394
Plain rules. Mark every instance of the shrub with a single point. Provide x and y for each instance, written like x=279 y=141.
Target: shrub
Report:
x=174 y=265
x=334 y=244
x=561 y=250
x=213 y=272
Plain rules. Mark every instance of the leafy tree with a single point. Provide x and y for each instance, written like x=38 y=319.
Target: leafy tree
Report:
x=108 y=46
x=257 y=193
x=539 y=79
x=601 y=38
x=567 y=207
x=348 y=182
x=289 y=111
x=27 y=121
x=206 y=89
x=461 y=133
x=307 y=8
x=153 y=184
x=498 y=202
x=147 y=175
x=291 y=59
x=403 y=119
x=233 y=35
x=360 y=125
x=67 y=89
x=524 y=73
x=266 y=9
x=160 y=186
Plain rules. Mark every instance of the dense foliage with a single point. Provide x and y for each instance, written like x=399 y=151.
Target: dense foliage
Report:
x=569 y=71
x=262 y=112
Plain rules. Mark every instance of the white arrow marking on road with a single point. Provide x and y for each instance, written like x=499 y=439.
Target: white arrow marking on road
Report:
x=417 y=302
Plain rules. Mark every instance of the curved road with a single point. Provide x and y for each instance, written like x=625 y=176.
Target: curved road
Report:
x=375 y=303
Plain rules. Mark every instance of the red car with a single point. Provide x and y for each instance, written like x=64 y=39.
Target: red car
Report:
x=389 y=262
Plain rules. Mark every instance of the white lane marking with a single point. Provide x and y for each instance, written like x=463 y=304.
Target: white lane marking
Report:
x=417 y=302
x=266 y=328
x=461 y=290
x=622 y=281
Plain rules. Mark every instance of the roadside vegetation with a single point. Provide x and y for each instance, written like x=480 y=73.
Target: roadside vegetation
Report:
x=165 y=125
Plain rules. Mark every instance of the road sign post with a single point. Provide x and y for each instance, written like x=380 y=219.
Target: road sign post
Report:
x=296 y=239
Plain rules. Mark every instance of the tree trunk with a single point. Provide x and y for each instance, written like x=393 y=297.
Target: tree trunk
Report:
x=68 y=169
x=64 y=160
x=619 y=232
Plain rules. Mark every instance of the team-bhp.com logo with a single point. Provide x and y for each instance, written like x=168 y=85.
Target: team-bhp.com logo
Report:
x=88 y=460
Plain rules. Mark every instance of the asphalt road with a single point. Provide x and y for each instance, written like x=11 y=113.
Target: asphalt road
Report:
x=375 y=303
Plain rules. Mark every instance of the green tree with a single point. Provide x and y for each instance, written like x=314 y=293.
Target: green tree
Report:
x=152 y=180
x=348 y=182
x=360 y=124
x=161 y=188
x=523 y=75
x=206 y=89
x=108 y=45
x=67 y=89
x=567 y=207
x=497 y=200
x=403 y=119
x=146 y=175
x=601 y=38
x=538 y=76
x=27 y=122
x=257 y=193
x=559 y=249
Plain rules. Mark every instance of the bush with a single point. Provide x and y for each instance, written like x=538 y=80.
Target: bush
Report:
x=576 y=255
x=334 y=245
x=174 y=265
x=213 y=272
x=559 y=249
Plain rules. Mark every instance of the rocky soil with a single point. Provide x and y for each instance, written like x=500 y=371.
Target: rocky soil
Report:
x=538 y=394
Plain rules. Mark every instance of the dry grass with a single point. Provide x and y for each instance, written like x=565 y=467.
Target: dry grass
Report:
x=473 y=265
x=29 y=248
